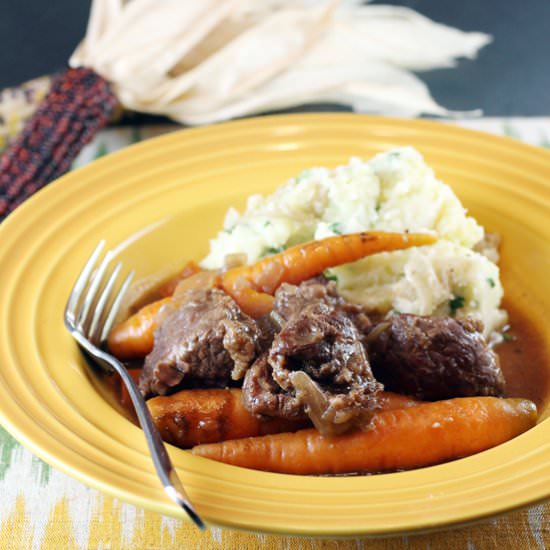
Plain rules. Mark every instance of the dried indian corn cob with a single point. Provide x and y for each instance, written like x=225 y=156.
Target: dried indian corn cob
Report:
x=79 y=103
x=17 y=105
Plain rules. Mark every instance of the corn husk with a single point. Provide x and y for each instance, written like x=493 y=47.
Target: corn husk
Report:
x=201 y=62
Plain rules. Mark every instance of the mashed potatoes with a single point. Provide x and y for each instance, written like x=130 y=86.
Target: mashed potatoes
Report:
x=394 y=191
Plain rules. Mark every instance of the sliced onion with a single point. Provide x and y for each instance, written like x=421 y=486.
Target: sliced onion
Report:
x=376 y=331
x=271 y=277
x=144 y=291
x=277 y=321
x=316 y=404
x=202 y=279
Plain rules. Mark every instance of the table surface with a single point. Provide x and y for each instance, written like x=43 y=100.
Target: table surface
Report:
x=43 y=508
x=511 y=77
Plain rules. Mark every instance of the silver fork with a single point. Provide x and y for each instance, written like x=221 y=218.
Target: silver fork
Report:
x=89 y=318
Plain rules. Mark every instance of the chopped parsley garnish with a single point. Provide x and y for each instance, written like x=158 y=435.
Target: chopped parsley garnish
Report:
x=507 y=337
x=229 y=231
x=378 y=207
x=331 y=277
x=335 y=228
x=267 y=223
x=491 y=282
x=456 y=303
x=272 y=250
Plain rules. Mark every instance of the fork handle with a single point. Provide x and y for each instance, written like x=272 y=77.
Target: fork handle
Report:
x=163 y=465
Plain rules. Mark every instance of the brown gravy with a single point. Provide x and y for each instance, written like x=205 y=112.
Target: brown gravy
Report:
x=525 y=359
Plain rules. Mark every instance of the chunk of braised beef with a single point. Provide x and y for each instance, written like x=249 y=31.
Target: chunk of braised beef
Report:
x=206 y=338
x=292 y=299
x=264 y=397
x=320 y=340
x=434 y=357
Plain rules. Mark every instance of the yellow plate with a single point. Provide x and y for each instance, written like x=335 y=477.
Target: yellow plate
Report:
x=158 y=202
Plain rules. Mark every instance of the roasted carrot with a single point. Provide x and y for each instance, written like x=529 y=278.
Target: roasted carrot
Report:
x=134 y=337
x=251 y=286
x=192 y=417
x=252 y=302
x=406 y=438
x=390 y=401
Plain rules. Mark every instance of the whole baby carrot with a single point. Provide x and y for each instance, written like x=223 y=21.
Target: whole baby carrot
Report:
x=251 y=285
x=191 y=417
x=427 y=434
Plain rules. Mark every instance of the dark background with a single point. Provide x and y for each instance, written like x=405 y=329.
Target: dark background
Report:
x=510 y=77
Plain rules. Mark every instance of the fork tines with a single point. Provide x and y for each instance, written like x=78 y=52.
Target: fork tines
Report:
x=92 y=306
